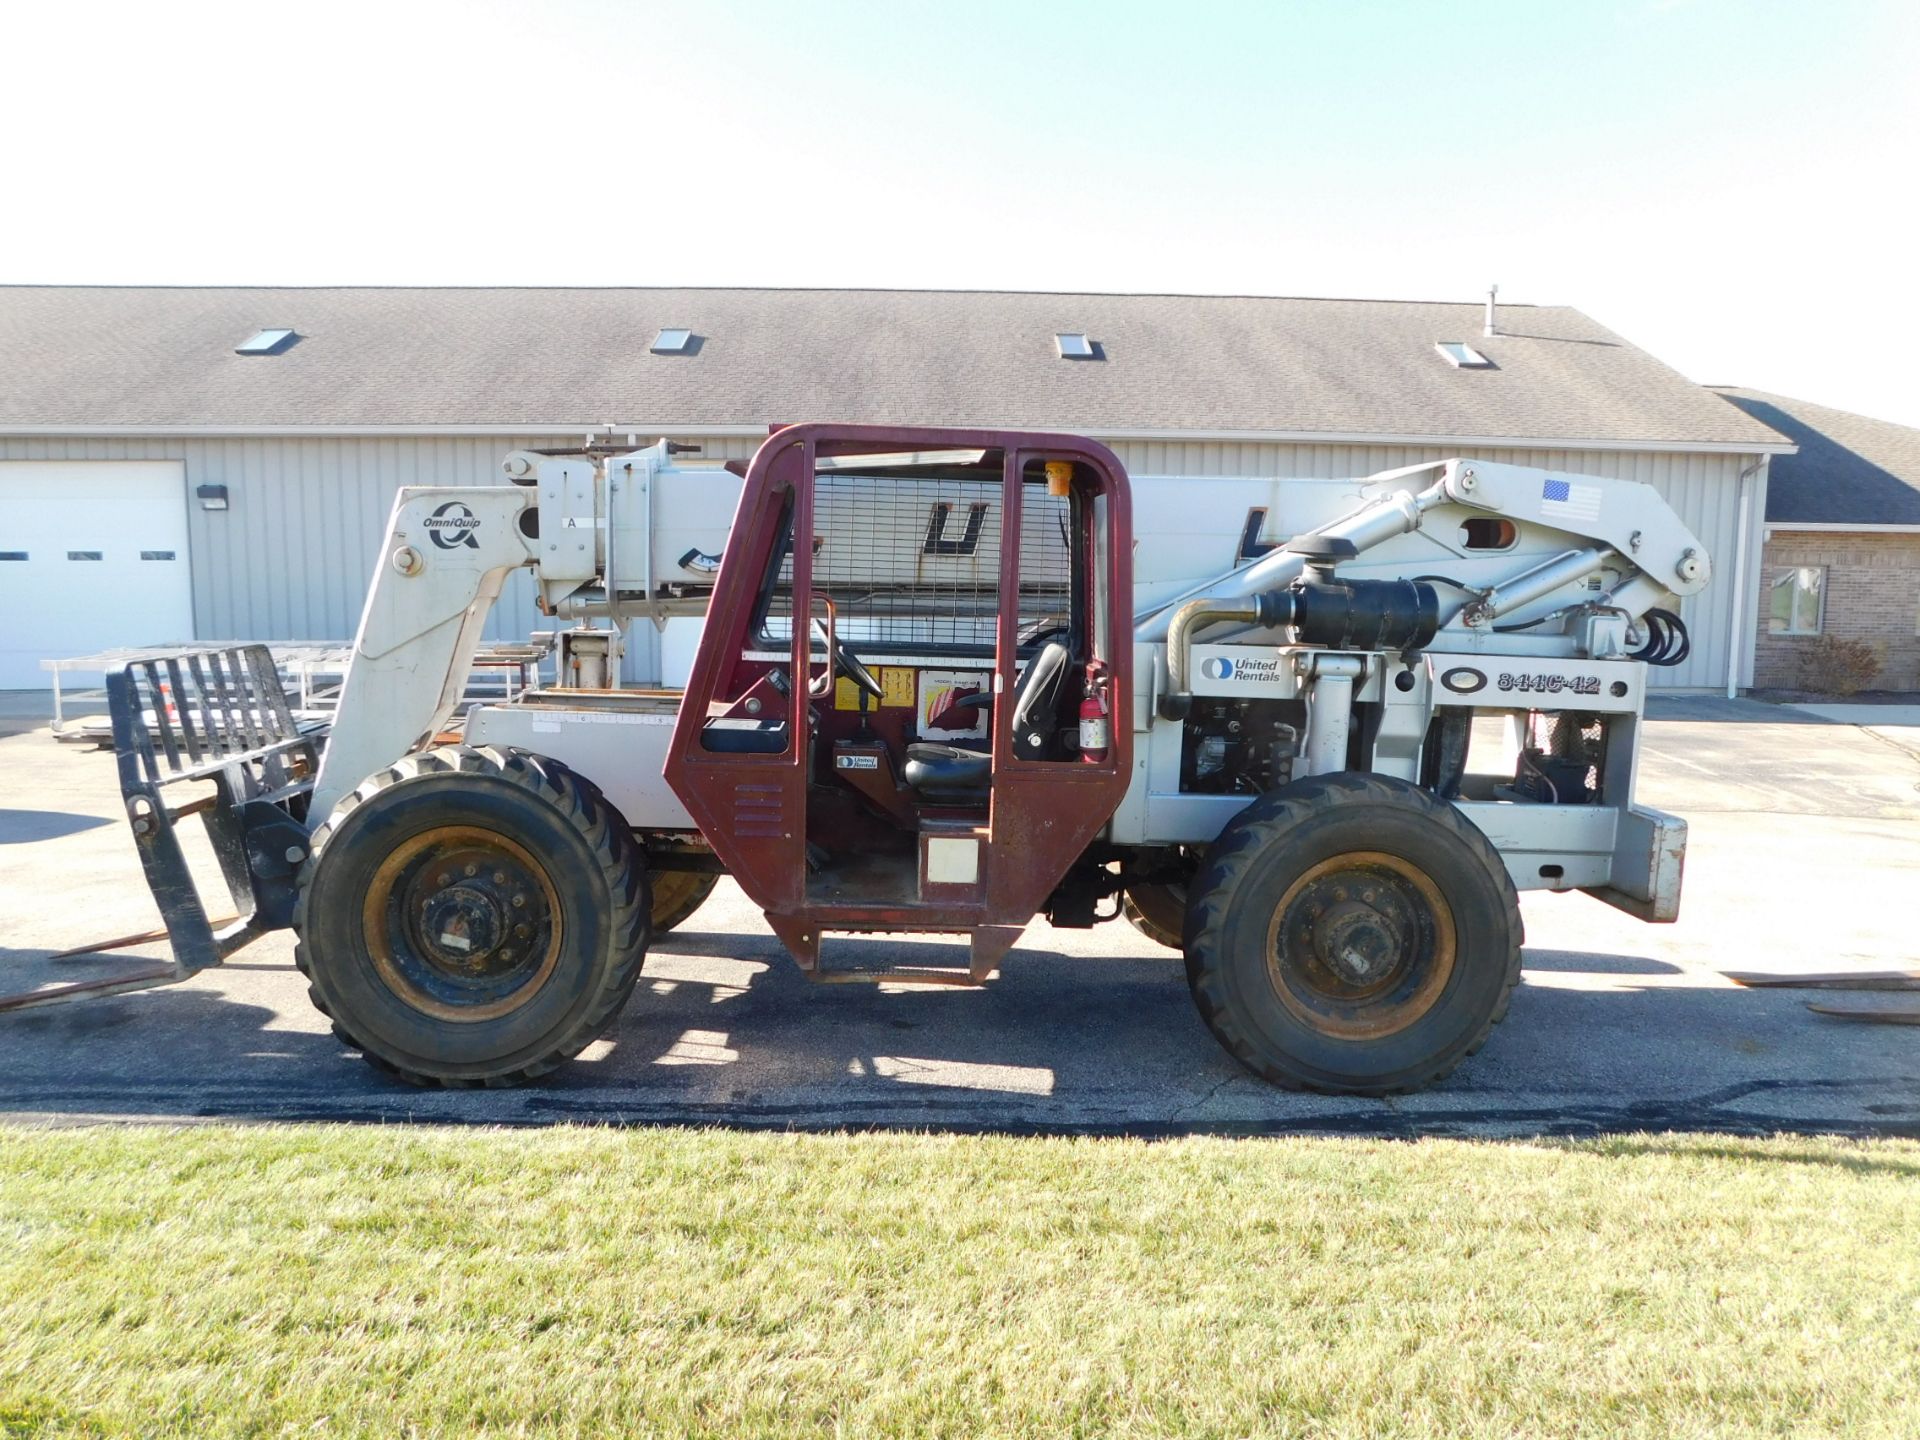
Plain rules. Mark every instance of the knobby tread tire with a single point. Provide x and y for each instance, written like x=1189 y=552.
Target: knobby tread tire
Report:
x=1157 y=913
x=675 y=900
x=618 y=857
x=1275 y=819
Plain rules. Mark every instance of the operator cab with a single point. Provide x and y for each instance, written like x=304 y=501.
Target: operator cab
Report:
x=906 y=632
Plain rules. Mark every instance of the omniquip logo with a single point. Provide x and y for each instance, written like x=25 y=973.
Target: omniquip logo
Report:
x=1217 y=667
x=453 y=524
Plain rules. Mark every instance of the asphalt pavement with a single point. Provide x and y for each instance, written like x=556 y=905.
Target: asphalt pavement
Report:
x=1805 y=855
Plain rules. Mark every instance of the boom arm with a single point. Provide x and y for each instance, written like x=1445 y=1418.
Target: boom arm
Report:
x=634 y=534
x=446 y=554
x=1605 y=551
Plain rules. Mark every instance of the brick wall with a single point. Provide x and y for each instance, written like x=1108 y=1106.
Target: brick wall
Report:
x=1873 y=594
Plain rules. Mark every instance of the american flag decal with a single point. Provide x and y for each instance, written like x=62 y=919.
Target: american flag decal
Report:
x=1567 y=501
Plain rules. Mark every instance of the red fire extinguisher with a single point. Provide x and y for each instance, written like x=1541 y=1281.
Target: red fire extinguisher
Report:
x=1093 y=717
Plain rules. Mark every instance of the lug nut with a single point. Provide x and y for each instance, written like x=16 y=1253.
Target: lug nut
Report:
x=472 y=870
x=519 y=902
x=499 y=877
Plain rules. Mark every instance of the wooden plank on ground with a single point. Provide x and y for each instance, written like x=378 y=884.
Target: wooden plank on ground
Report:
x=1827 y=980
x=1870 y=1014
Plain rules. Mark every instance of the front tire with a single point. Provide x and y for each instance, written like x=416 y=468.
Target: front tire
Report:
x=472 y=917
x=1352 y=934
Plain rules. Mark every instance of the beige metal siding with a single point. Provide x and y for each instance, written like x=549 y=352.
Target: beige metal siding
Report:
x=290 y=559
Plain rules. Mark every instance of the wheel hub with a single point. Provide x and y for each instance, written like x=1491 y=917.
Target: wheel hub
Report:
x=1357 y=942
x=461 y=930
x=1361 y=945
x=463 y=923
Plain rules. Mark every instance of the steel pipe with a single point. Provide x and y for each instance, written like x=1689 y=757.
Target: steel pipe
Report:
x=1250 y=610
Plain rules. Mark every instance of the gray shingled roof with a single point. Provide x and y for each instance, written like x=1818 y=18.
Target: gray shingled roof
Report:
x=1850 y=470
x=140 y=357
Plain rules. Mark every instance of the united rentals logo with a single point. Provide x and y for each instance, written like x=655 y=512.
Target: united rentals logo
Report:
x=453 y=524
x=1266 y=669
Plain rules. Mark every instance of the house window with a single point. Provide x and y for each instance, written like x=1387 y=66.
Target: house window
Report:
x=1799 y=597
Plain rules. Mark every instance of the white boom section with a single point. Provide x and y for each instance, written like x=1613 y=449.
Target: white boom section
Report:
x=1196 y=536
x=1574 y=539
x=446 y=555
x=641 y=535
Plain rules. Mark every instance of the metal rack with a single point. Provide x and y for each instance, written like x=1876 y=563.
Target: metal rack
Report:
x=311 y=671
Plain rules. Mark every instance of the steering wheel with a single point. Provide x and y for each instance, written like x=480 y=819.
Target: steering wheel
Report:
x=846 y=663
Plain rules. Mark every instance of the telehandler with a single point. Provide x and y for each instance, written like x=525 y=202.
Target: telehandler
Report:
x=947 y=680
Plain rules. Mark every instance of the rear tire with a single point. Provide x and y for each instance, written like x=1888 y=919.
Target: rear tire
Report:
x=1352 y=934
x=676 y=895
x=472 y=917
x=1158 y=912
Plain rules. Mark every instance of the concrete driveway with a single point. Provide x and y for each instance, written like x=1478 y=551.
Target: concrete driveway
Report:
x=1805 y=855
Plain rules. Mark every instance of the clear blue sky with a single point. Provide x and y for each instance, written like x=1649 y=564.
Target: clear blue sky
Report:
x=1733 y=186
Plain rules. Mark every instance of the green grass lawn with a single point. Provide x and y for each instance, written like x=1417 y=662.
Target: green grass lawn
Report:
x=330 y=1281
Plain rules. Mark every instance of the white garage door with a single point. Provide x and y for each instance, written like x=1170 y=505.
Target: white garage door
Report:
x=93 y=554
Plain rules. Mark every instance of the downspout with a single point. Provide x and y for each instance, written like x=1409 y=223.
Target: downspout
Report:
x=1736 y=638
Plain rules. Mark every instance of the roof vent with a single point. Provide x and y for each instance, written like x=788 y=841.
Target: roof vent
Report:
x=672 y=342
x=1462 y=355
x=1074 y=346
x=265 y=342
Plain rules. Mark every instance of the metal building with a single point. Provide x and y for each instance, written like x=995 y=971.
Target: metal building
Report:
x=213 y=464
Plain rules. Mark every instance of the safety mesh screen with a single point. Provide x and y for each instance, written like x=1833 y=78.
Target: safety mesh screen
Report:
x=913 y=562
x=1578 y=738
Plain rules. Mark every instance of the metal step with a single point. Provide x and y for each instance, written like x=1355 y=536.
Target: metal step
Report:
x=907 y=975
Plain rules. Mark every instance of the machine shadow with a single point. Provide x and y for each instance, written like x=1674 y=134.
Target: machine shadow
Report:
x=724 y=1032
x=1580 y=962
x=179 y=1052
x=1072 y=1044
x=25 y=827
x=1718 y=710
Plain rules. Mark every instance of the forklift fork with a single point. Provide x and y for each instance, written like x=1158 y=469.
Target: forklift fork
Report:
x=215 y=723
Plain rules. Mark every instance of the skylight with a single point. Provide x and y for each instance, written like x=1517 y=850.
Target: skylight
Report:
x=264 y=342
x=1463 y=355
x=1074 y=346
x=672 y=342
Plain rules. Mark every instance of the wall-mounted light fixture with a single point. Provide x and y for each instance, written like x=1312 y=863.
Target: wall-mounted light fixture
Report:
x=212 y=497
